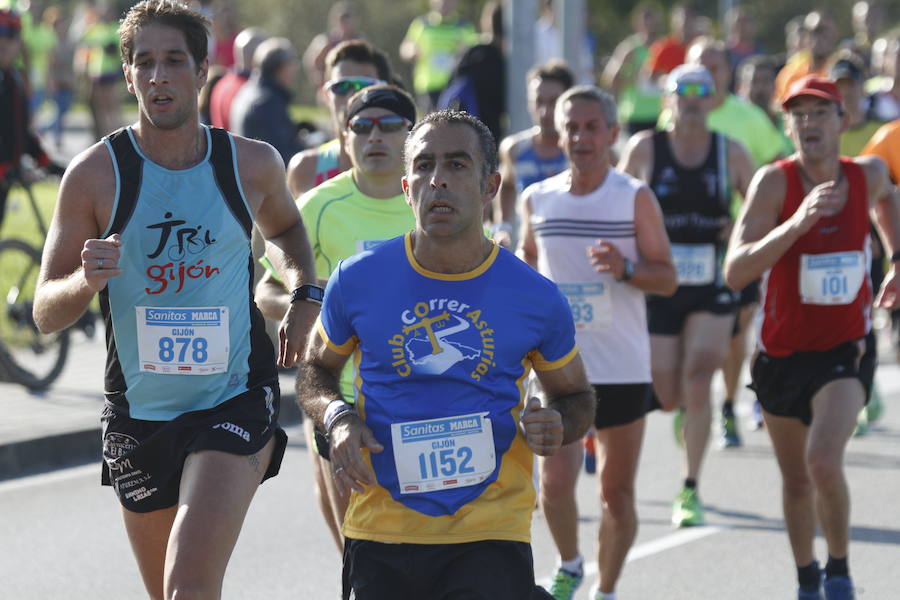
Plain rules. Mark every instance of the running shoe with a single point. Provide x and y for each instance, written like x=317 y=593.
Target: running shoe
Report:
x=564 y=584
x=729 y=437
x=808 y=594
x=838 y=587
x=875 y=407
x=678 y=425
x=687 y=510
x=758 y=422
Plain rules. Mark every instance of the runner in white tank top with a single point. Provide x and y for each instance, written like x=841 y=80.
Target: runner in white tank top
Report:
x=599 y=234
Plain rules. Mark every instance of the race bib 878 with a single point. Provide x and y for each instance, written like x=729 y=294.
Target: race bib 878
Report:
x=183 y=341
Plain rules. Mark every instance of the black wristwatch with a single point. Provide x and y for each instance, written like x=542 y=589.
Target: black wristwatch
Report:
x=311 y=293
x=627 y=271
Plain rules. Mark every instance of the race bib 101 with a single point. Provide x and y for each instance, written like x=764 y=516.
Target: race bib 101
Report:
x=831 y=279
x=590 y=303
x=441 y=454
x=695 y=263
x=183 y=341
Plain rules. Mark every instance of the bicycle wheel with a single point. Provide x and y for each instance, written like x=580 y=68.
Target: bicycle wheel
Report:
x=28 y=357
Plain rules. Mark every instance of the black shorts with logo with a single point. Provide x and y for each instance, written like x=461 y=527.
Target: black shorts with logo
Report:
x=143 y=460
x=667 y=315
x=485 y=570
x=785 y=386
x=622 y=403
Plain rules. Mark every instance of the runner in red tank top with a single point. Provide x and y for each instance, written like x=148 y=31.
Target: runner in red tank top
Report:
x=804 y=230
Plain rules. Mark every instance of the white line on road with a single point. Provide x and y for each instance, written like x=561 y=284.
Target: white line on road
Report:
x=673 y=540
x=679 y=538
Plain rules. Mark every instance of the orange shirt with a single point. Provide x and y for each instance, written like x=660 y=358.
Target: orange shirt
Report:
x=885 y=144
x=799 y=65
x=665 y=54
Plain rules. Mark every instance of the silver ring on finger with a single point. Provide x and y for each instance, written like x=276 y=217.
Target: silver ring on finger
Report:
x=99 y=263
x=337 y=470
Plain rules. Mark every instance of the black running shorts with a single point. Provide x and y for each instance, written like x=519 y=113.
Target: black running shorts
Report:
x=785 y=386
x=143 y=460
x=486 y=570
x=667 y=315
x=620 y=404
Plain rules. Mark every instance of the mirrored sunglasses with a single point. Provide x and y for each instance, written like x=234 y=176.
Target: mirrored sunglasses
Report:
x=386 y=124
x=693 y=90
x=350 y=85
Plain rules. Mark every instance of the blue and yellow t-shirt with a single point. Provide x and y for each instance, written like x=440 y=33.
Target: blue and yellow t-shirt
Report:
x=443 y=362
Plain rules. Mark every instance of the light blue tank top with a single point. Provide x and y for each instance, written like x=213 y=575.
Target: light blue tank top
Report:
x=183 y=331
x=531 y=168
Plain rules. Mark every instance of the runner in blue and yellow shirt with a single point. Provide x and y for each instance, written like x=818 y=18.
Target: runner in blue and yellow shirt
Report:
x=445 y=328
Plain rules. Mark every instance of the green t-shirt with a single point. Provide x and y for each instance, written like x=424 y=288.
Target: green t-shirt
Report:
x=439 y=43
x=746 y=123
x=40 y=40
x=639 y=100
x=103 y=40
x=341 y=221
x=854 y=139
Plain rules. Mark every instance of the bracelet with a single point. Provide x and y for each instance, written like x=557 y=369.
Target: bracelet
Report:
x=895 y=256
x=336 y=410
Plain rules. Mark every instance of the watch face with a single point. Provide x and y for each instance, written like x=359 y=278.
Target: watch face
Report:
x=313 y=293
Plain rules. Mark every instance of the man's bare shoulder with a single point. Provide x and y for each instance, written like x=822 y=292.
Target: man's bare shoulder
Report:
x=639 y=146
x=877 y=173
x=256 y=151
x=301 y=171
x=512 y=145
x=91 y=174
x=769 y=181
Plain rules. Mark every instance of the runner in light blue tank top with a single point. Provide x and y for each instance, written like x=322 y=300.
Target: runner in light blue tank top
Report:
x=181 y=312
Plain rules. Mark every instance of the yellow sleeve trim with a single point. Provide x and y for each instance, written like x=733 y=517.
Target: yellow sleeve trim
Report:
x=542 y=364
x=344 y=349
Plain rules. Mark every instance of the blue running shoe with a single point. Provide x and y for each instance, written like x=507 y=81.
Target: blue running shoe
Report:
x=808 y=594
x=838 y=587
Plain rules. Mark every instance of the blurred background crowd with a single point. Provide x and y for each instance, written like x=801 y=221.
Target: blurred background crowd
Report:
x=453 y=53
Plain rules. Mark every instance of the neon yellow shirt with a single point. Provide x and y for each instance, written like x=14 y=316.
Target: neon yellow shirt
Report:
x=342 y=221
x=439 y=43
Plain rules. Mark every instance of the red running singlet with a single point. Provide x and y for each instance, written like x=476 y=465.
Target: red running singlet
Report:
x=819 y=294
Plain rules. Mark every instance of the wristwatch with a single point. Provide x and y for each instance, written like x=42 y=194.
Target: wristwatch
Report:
x=627 y=271
x=310 y=293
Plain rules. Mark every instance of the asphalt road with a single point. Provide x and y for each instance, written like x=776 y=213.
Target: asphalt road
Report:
x=61 y=534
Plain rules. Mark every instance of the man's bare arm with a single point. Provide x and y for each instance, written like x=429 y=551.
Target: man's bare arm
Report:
x=527 y=250
x=317 y=387
x=287 y=246
x=655 y=272
x=568 y=392
x=70 y=270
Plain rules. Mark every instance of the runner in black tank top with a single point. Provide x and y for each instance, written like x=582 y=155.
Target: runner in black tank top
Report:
x=690 y=331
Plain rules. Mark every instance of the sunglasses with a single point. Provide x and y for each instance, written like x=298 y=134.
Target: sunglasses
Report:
x=386 y=124
x=693 y=90
x=350 y=85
